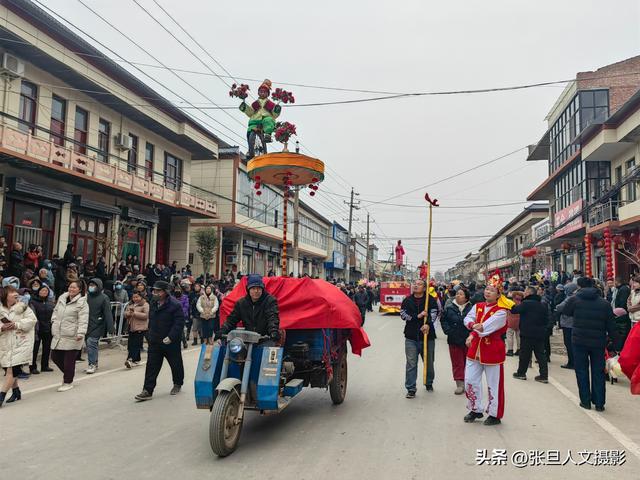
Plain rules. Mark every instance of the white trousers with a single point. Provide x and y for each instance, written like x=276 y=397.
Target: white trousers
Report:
x=513 y=339
x=495 y=386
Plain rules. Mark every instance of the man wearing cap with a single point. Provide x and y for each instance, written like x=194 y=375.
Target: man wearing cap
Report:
x=258 y=311
x=262 y=113
x=166 y=321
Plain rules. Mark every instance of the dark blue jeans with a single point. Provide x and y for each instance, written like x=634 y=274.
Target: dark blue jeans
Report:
x=583 y=359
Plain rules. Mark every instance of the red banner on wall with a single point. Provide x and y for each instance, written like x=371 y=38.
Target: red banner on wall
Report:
x=561 y=217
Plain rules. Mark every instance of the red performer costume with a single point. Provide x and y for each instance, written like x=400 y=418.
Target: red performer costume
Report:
x=487 y=322
x=399 y=254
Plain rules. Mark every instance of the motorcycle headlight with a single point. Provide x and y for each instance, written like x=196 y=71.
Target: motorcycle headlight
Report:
x=236 y=346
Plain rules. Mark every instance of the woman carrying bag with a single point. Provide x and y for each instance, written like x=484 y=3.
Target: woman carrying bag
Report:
x=17 y=334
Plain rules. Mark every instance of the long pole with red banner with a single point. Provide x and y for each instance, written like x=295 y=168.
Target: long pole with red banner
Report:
x=425 y=349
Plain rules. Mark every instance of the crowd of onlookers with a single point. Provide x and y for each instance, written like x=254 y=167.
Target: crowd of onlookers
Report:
x=52 y=309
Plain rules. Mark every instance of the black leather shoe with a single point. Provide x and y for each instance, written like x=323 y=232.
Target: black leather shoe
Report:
x=175 y=390
x=586 y=406
x=429 y=388
x=16 y=395
x=567 y=366
x=492 y=421
x=600 y=409
x=519 y=376
x=472 y=417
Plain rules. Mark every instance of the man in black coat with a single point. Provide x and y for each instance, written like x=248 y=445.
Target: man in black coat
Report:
x=166 y=322
x=413 y=312
x=593 y=324
x=16 y=261
x=258 y=311
x=534 y=322
x=361 y=299
x=620 y=294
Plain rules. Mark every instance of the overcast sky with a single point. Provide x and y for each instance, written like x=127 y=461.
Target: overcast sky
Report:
x=388 y=147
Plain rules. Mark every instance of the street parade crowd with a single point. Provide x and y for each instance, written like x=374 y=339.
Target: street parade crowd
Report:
x=54 y=309
x=486 y=323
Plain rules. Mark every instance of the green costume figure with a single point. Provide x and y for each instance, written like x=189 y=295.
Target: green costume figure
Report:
x=262 y=114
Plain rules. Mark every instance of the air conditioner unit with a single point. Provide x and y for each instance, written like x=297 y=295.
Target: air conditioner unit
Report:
x=123 y=142
x=232 y=248
x=12 y=66
x=231 y=260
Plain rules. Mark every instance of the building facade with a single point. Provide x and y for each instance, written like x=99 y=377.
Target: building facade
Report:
x=336 y=262
x=89 y=155
x=249 y=227
x=579 y=185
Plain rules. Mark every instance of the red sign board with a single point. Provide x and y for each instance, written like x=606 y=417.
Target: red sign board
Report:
x=27 y=222
x=561 y=217
x=393 y=293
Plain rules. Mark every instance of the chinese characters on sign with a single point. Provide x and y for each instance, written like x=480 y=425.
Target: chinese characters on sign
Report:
x=540 y=458
x=559 y=219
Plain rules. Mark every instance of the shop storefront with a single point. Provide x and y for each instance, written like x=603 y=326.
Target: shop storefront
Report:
x=89 y=227
x=135 y=234
x=31 y=214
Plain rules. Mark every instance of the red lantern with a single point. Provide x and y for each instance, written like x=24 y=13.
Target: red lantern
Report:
x=312 y=193
x=259 y=192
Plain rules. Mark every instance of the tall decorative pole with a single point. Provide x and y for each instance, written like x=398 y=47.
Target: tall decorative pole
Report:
x=432 y=203
x=284 y=233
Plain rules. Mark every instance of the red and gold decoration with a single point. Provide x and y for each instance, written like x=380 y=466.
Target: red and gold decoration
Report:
x=285 y=170
x=239 y=91
x=587 y=256
x=608 y=254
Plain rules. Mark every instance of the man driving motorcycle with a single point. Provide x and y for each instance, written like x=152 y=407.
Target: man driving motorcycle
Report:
x=258 y=311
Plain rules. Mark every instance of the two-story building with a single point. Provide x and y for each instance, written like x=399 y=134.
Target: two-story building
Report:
x=250 y=227
x=90 y=155
x=504 y=250
x=336 y=262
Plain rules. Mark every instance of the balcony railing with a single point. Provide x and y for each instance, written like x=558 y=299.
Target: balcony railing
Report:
x=42 y=150
x=604 y=212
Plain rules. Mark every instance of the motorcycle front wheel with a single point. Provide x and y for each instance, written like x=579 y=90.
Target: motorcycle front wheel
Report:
x=224 y=429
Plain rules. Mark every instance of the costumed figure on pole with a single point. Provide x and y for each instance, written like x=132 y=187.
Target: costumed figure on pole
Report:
x=262 y=113
x=399 y=258
x=487 y=323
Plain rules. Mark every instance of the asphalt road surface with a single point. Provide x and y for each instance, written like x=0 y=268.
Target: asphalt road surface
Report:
x=96 y=431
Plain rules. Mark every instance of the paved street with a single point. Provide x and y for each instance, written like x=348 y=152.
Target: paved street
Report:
x=96 y=430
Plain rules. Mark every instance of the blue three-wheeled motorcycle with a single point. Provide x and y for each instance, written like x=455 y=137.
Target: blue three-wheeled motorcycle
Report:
x=248 y=372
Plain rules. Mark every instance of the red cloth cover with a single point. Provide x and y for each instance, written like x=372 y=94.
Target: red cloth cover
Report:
x=630 y=358
x=307 y=303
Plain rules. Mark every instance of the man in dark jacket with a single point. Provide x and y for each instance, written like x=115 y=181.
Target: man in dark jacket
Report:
x=16 y=261
x=593 y=324
x=166 y=322
x=534 y=322
x=413 y=312
x=361 y=299
x=100 y=321
x=620 y=294
x=258 y=311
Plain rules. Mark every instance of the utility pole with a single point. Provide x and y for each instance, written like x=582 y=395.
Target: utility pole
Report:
x=367 y=261
x=352 y=206
x=296 y=230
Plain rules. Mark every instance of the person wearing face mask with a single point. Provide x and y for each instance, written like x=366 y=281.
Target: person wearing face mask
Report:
x=16 y=340
x=166 y=322
x=42 y=305
x=183 y=298
x=194 y=324
x=100 y=321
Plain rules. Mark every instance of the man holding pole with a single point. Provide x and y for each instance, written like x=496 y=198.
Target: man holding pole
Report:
x=487 y=323
x=413 y=312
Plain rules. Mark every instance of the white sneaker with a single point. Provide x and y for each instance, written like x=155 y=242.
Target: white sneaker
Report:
x=91 y=369
x=136 y=364
x=65 y=386
x=127 y=363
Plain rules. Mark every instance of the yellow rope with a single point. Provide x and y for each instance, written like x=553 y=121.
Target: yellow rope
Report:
x=426 y=297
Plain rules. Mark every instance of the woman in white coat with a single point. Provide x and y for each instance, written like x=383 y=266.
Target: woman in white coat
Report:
x=207 y=307
x=17 y=335
x=69 y=323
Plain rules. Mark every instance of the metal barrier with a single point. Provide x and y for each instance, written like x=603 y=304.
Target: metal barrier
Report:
x=117 y=312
